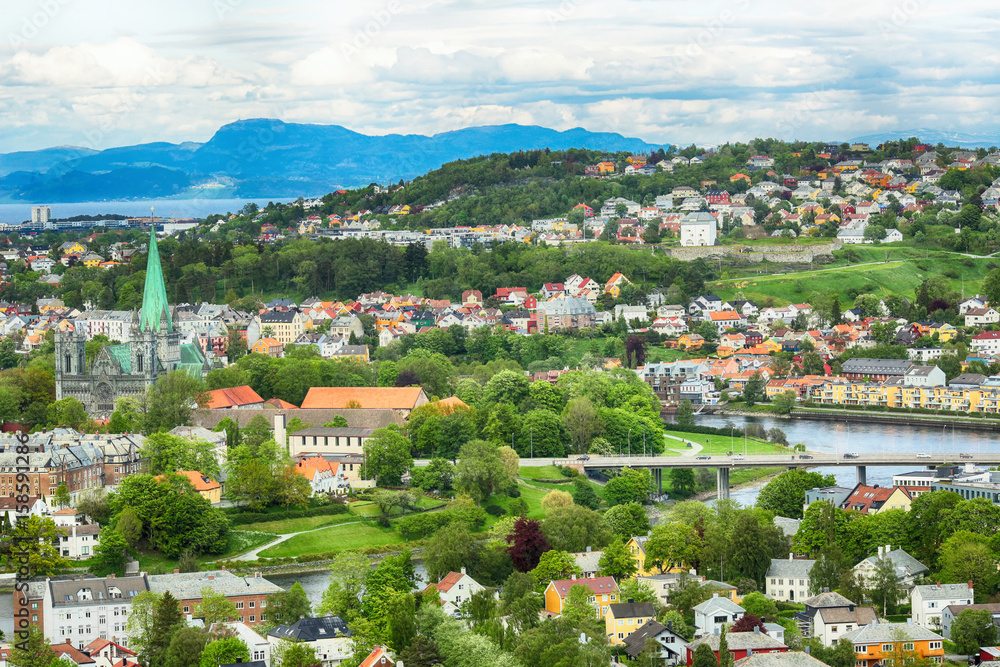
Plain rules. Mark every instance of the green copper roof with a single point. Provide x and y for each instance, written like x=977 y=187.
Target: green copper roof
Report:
x=123 y=355
x=154 y=295
x=191 y=354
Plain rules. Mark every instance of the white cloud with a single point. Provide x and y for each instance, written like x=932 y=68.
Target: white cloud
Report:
x=665 y=70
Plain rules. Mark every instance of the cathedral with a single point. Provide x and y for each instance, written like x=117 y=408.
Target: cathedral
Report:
x=131 y=368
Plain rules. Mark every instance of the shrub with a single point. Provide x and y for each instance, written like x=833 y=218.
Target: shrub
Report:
x=495 y=510
x=243 y=518
x=514 y=492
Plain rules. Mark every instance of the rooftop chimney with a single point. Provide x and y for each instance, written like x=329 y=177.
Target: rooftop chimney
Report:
x=756 y=629
x=588 y=549
x=211 y=577
x=880 y=551
x=888 y=548
x=970 y=585
x=176 y=571
x=463 y=570
x=791 y=555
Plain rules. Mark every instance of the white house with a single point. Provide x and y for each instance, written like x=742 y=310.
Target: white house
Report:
x=455 y=589
x=698 y=229
x=951 y=612
x=714 y=613
x=672 y=651
x=328 y=636
x=828 y=616
x=987 y=342
x=259 y=647
x=977 y=317
x=788 y=580
x=907 y=567
x=928 y=602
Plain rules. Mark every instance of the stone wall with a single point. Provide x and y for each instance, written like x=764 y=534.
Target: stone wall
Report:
x=759 y=253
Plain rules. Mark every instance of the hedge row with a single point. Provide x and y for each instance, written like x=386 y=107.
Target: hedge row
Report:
x=244 y=518
x=704 y=430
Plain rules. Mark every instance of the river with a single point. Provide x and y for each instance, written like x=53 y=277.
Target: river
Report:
x=15 y=214
x=839 y=437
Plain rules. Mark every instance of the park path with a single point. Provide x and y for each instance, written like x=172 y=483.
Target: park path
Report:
x=253 y=553
x=693 y=451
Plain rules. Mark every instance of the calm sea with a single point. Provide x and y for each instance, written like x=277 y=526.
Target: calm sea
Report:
x=169 y=208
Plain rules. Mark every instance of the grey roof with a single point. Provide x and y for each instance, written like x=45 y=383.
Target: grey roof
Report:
x=312 y=629
x=99 y=591
x=188 y=585
x=632 y=609
x=956 y=609
x=255 y=663
x=567 y=307
x=786 y=659
x=860 y=615
x=278 y=316
x=905 y=564
x=828 y=599
x=635 y=643
x=876 y=366
x=788 y=526
x=943 y=591
x=350 y=350
x=719 y=603
x=783 y=567
x=588 y=560
x=971 y=379
x=738 y=641
x=876 y=633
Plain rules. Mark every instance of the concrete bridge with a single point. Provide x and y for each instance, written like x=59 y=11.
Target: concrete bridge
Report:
x=724 y=464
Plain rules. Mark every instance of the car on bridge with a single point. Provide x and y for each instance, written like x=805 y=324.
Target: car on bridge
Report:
x=738 y=457
x=584 y=457
x=852 y=455
x=703 y=457
x=923 y=455
x=805 y=456
x=965 y=455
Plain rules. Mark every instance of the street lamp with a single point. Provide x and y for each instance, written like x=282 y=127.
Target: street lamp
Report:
x=628 y=438
x=531 y=440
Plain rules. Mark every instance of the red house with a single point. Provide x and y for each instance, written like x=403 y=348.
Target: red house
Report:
x=717 y=197
x=741 y=644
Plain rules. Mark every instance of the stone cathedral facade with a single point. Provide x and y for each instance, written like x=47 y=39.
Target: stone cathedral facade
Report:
x=128 y=369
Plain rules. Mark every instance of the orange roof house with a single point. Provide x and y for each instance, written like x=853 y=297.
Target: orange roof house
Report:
x=402 y=399
x=279 y=404
x=379 y=657
x=234 y=397
x=604 y=592
x=207 y=487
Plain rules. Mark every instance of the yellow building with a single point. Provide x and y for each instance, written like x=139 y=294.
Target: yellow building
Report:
x=285 y=326
x=603 y=593
x=624 y=618
x=895 y=644
x=357 y=353
x=206 y=487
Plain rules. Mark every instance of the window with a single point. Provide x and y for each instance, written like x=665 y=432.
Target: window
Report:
x=239 y=605
x=34 y=618
x=621 y=635
x=935 y=645
x=859 y=649
x=187 y=610
x=252 y=604
x=833 y=628
x=34 y=605
x=720 y=619
x=908 y=646
x=251 y=618
x=886 y=648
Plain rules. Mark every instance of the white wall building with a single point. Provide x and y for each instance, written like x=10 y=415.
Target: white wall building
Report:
x=928 y=602
x=698 y=229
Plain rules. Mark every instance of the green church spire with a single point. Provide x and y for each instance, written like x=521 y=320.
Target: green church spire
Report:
x=154 y=295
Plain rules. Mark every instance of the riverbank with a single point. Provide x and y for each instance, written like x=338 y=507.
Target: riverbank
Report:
x=762 y=480
x=958 y=421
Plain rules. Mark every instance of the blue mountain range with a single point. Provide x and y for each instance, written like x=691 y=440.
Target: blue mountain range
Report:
x=270 y=158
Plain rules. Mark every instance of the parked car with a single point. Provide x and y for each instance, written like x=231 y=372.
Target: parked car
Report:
x=583 y=457
x=738 y=457
x=851 y=455
x=805 y=456
x=923 y=455
x=965 y=455
x=703 y=457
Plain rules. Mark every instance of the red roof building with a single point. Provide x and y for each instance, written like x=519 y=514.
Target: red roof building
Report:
x=234 y=397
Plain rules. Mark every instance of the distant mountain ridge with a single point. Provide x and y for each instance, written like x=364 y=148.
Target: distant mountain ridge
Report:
x=271 y=158
x=934 y=137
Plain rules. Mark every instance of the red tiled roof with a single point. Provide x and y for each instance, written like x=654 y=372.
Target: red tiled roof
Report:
x=599 y=585
x=233 y=396
x=370 y=398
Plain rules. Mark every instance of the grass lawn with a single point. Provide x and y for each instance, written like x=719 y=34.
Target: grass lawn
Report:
x=240 y=540
x=744 y=475
x=897 y=276
x=285 y=526
x=718 y=445
x=335 y=538
x=364 y=508
x=540 y=472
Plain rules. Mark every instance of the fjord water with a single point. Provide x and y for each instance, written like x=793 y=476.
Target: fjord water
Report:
x=866 y=437
x=14 y=214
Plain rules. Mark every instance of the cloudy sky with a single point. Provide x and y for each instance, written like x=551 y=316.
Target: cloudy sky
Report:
x=102 y=73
